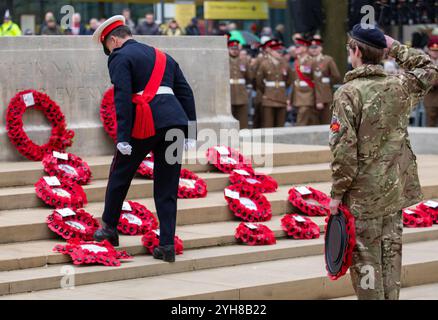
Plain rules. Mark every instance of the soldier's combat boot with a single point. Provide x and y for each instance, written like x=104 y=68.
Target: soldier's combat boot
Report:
x=166 y=253
x=107 y=233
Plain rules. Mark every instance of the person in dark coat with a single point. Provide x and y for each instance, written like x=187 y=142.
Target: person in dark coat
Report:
x=149 y=27
x=192 y=29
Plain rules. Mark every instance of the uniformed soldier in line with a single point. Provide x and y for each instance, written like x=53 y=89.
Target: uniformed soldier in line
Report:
x=239 y=76
x=374 y=170
x=154 y=103
x=257 y=102
x=326 y=74
x=303 y=91
x=431 y=99
x=274 y=76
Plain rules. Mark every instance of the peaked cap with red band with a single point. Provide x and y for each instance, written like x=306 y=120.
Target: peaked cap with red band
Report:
x=274 y=44
x=302 y=42
x=105 y=28
x=233 y=44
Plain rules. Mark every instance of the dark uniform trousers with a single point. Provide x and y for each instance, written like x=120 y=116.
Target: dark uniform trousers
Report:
x=273 y=116
x=240 y=112
x=123 y=169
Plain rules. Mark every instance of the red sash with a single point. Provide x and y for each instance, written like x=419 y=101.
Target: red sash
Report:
x=303 y=77
x=144 y=122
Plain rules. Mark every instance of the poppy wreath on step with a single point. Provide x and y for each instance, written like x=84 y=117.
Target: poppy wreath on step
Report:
x=416 y=218
x=68 y=195
x=146 y=168
x=137 y=221
x=91 y=252
x=108 y=114
x=255 y=234
x=74 y=224
x=351 y=243
x=151 y=240
x=74 y=168
x=226 y=159
x=431 y=208
x=191 y=185
x=299 y=227
x=60 y=137
x=314 y=204
x=247 y=203
x=259 y=181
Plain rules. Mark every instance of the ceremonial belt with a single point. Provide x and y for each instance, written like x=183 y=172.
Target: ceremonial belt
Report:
x=275 y=84
x=237 y=81
x=303 y=77
x=161 y=90
x=144 y=126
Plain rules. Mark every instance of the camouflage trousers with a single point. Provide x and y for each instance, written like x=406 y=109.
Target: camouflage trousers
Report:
x=376 y=267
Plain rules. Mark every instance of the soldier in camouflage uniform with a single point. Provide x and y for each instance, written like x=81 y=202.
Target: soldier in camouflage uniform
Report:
x=374 y=170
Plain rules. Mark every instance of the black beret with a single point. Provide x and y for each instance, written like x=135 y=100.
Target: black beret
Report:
x=373 y=37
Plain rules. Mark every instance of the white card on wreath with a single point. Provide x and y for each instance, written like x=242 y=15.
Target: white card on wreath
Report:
x=52 y=181
x=66 y=212
x=299 y=219
x=223 y=151
x=59 y=155
x=241 y=172
x=232 y=194
x=408 y=211
x=251 y=226
x=28 y=99
x=431 y=204
x=157 y=232
x=126 y=206
x=304 y=191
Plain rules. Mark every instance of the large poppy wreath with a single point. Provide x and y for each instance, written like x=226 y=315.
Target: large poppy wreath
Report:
x=91 y=252
x=299 y=227
x=66 y=194
x=136 y=219
x=60 y=138
x=191 y=186
x=416 y=218
x=146 y=168
x=108 y=113
x=351 y=243
x=259 y=181
x=226 y=159
x=67 y=166
x=151 y=240
x=248 y=204
x=309 y=201
x=69 y=224
x=255 y=234
x=431 y=208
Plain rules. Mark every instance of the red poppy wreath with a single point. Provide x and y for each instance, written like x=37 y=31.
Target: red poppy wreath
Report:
x=108 y=113
x=248 y=204
x=299 y=227
x=60 y=194
x=67 y=166
x=91 y=252
x=151 y=240
x=259 y=181
x=309 y=201
x=70 y=224
x=136 y=219
x=191 y=186
x=226 y=159
x=416 y=218
x=431 y=208
x=146 y=168
x=254 y=234
x=60 y=138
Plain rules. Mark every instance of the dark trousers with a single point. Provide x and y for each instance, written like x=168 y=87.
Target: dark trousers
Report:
x=166 y=180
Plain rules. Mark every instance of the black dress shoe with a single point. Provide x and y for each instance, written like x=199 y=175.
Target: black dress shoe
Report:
x=165 y=253
x=107 y=233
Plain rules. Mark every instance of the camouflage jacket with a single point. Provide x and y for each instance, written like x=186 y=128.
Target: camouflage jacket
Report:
x=374 y=170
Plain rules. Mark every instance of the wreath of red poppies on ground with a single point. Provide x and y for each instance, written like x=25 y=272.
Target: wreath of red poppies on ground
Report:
x=81 y=225
x=91 y=252
x=108 y=113
x=151 y=240
x=248 y=204
x=227 y=161
x=137 y=221
x=255 y=234
x=259 y=181
x=416 y=218
x=74 y=168
x=315 y=204
x=146 y=168
x=351 y=243
x=67 y=195
x=60 y=138
x=299 y=227
x=431 y=211
x=191 y=185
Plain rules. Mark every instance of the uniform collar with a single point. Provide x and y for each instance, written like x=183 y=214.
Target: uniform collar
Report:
x=364 y=71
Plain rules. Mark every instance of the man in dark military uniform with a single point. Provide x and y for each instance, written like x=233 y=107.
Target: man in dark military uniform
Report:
x=158 y=121
x=431 y=99
x=274 y=77
x=325 y=75
x=239 y=76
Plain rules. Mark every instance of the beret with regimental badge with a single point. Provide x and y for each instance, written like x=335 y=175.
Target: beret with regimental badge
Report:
x=371 y=36
x=433 y=43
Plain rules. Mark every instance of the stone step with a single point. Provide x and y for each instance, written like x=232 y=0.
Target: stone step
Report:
x=261 y=273
x=25 y=197
x=27 y=173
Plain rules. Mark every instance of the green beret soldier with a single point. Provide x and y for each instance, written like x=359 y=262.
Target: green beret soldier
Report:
x=374 y=170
